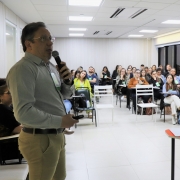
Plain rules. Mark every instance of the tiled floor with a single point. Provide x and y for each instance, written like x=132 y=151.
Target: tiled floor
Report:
x=123 y=150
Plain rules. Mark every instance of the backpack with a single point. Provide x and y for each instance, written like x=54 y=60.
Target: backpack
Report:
x=81 y=101
x=149 y=110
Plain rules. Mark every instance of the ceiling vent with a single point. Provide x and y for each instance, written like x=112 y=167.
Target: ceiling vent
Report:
x=137 y=13
x=96 y=32
x=109 y=32
x=117 y=12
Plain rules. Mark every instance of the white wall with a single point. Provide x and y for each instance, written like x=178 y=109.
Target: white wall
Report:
x=7 y=14
x=104 y=52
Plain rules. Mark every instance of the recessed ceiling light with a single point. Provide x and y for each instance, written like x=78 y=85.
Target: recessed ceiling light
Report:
x=76 y=34
x=85 y=2
x=77 y=29
x=171 y=22
x=80 y=18
x=7 y=34
x=148 y=31
x=135 y=35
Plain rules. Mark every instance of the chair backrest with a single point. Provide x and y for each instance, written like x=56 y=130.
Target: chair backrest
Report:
x=145 y=90
x=106 y=91
x=84 y=91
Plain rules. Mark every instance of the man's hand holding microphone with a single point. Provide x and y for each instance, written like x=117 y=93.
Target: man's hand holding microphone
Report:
x=67 y=120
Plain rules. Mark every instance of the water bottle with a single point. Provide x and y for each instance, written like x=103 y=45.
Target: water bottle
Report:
x=87 y=103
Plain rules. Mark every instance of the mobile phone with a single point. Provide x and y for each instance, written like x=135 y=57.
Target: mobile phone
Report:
x=78 y=117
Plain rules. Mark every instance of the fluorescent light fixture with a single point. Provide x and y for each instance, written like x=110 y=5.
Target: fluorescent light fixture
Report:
x=76 y=34
x=135 y=35
x=7 y=34
x=171 y=22
x=77 y=29
x=85 y=2
x=148 y=31
x=80 y=18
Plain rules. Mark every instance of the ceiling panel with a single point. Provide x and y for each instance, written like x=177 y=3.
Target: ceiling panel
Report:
x=55 y=14
x=51 y=2
x=151 y=5
x=173 y=7
x=52 y=14
x=119 y=3
x=83 y=9
x=50 y=8
x=106 y=9
x=161 y=1
x=169 y=13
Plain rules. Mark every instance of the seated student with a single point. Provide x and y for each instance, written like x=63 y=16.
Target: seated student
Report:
x=114 y=75
x=148 y=75
x=83 y=82
x=157 y=82
x=144 y=75
x=171 y=98
x=92 y=78
x=132 y=83
x=153 y=67
x=176 y=78
x=134 y=71
x=129 y=75
x=159 y=74
x=8 y=123
x=105 y=76
x=121 y=80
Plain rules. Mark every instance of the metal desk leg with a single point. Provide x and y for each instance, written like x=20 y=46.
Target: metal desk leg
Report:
x=172 y=158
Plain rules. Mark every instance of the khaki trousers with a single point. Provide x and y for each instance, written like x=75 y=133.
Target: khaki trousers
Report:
x=45 y=154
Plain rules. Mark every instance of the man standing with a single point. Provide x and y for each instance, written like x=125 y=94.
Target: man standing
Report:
x=37 y=98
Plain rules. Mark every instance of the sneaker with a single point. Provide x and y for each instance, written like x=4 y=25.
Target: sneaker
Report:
x=122 y=98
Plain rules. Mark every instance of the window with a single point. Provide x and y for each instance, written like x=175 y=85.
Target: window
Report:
x=10 y=45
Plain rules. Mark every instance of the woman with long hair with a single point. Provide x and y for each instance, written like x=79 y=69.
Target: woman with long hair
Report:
x=171 y=94
x=153 y=67
x=114 y=75
x=158 y=83
x=134 y=71
x=121 y=86
x=176 y=78
x=105 y=76
x=144 y=75
x=83 y=82
x=132 y=83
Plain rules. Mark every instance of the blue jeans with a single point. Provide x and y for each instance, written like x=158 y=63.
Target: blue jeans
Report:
x=67 y=105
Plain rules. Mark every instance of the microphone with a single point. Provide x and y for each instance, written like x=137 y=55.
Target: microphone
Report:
x=55 y=54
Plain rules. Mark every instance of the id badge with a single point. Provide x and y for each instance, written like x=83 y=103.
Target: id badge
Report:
x=56 y=83
x=157 y=84
x=176 y=82
x=90 y=78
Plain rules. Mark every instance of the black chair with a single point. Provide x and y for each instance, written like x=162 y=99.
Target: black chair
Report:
x=9 y=149
x=79 y=93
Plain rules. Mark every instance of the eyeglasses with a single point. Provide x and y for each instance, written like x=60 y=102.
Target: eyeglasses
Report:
x=7 y=92
x=137 y=72
x=45 y=38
